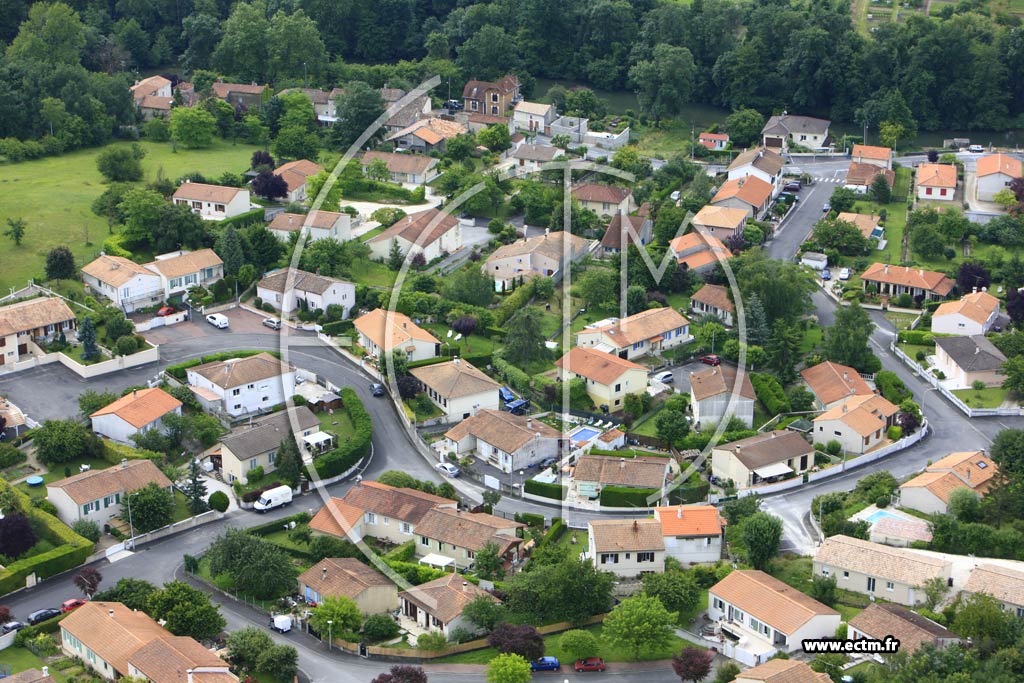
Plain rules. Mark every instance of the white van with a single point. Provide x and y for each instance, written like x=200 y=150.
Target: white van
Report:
x=273 y=498
x=218 y=320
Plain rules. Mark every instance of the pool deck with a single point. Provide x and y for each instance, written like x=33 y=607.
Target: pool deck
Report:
x=870 y=510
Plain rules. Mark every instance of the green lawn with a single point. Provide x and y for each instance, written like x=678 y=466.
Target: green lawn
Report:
x=373 y=233
x=54 y=196
x=338 y=424
x=812 y=338
x=912 y=349
x=373 y=274
x=901 y=321
x=181 y=510
x=60 y=472
x=281 y=538
x=609 y=652
x=21 y=659
x=992 y=397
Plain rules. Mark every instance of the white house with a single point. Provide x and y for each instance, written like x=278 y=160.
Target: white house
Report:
x=381 y=332
x=762 y=458
x=506 y=441
x=529 y=157
x=1004 y=584
x=711 y=392
x=96 y=495
x=318 y=225
x=872 y=155
x=245 y=385
x=760 y=163
x=429 y=232
x=306 y=291
x=153 y=97
x=409 y=169
x=757 y=615
x=930 y=491
x=721 y=221
x=139 y=411
x=127 y=284
x=295 y=175
x=25 y=323
x=716 y=142
x=604 y=200
x=437 y=605
x=212 y=202
x=995 y=172
x=692 y=533
x=786 y=129
x=652 y=331
x=859 y=423
x=256 y=443
x=936 y=181
x=883 y=619
x=966 y=360
x=458 y=388
x=534 y=116
x=626 y=547
x=181 y=270
x=893 y=574
x=973 y=314
x=542 y=255
x=609 y=378
x=832 y=384
x=748 y=193
x=713 y=300
x=917 y=282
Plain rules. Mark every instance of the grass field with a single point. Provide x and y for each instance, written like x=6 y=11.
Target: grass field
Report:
x=58 y=472
x=21 y=659
x=992 y=397
x=55 y=195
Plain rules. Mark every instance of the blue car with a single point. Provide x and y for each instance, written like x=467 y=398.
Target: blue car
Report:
x=545 y=664
x=826 y=274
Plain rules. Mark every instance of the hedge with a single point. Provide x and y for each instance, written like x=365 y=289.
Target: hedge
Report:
x=513 y=376
x=415 y=573
x=354 y=449
x=270 y=527
x=51 y=625
x=539 y=488
x=919 y=337
x=554 y=533
x=892 y=387
x=770 y=393
x=530 y=519
x=243 y=220
x=114 y=453
x=685 y=495
x=178 y=371
x=427 y=361
x=71 y=549
x=625 y=497
x=402 y=553
x=338 y=328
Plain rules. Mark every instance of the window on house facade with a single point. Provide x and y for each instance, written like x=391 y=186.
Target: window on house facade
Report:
x=645 y=557
x=609 y=558
x=846 y=575
x=253 y=463
x=718 y=604
x=424 y=541
x=871 y=584
x=218 y=207
x=198 y=206
x=890 y=586
x=370 y=518
x=236 y=392
x=825 y=571
x=405 y=527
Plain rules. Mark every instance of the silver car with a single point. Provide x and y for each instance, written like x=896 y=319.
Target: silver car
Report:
x=272 y=323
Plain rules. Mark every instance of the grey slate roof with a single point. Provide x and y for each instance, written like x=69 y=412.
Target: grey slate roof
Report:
x=972 y=354
x=267 y=433
x=785 y=124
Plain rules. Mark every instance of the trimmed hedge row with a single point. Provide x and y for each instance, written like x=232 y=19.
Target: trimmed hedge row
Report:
x=338 y=328
x=920 y=337
x=770 y=393
x=556 y=531
x=114 y=453
x=539 y=488
x=243 y=219
x=427 y=361
x=354 y=449
x=178 y=371
x=271 y=527
x=513 y=376
x=625 y=497
x=530 y=519
x=685 y=495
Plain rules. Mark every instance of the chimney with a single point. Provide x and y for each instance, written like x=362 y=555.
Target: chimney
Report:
x=135 y=393
x=977 y=350
x=622 y=463
x=679 y=512
x=111 y=613
x=529 y=423
x=636 y=526
x=844 y=407
x=968 y=474
x=465 y=586
x=291 y=219
x=455 y=360
x=124 y=463
x=920 y=271
x=886 y=269
x=974 y=290
x=846 y=376
x=323 y=574
x=189 y=672
x=46 y=671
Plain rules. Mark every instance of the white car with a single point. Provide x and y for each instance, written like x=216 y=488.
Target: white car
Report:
x=218 y=321
x=675 y=196
x=844 y=274
x=665 y=377
x=976 y=149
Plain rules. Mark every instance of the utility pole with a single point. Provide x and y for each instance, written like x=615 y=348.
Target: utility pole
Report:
x=691 y=143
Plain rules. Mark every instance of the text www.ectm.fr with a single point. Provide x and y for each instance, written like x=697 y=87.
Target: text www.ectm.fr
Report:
x=861 y=645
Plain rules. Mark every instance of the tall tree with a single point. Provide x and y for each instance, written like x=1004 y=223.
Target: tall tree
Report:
x=288 y=461
x=525 y=340
x=847 y=340
x=762 y=535
x=489 y=53
x=88 y=580
x=639 y=622
x=16 y=230
x=151 y=507
x=693 y=664
x=294 y=47
x=194 y=488
x=231 y=250
x=358 y=108
x=188 y=611
x=508 y=668
x=60 y=264
x=87 y=335
x=783 y=350
x=744 y=126
x=757 y=322
x=664 y=83
x=341 y=611
x=243 y=50
x=270 y=185
x=192 y=127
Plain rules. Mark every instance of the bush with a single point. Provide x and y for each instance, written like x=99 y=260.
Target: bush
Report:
x=624 y=497
x=354 y=449
x=219 y=501
x=883 y=501
x=434 y=641
x=770 y=393
x=255 y=474
x=833 y=448
x=87 y=529
x=919 y=337
x=895 y=433
x=10 y=456
x=339 y=328
x=379 y=627
x=114 y=453
x=278 y=524
x=530 y=519
x=892 y=387
x=537 y=488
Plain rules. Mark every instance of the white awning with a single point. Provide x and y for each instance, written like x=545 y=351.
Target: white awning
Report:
x=439 y=561
x=773 y=470
x=317 y=439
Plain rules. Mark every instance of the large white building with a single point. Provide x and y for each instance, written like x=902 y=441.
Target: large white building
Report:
x=763 y=457
x=712 y=392
x=506 y=441
x=381 y=332
x=974 y=313
x=245 y=385
x=139 y=411
x=318 y=225
x=306 y=291
x=429 y=232
x=181 y=270
x=127 y=284
x=626 y=547
x=995 y=172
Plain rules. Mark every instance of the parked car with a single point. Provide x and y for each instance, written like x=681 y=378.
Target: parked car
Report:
x=449 y=469
x=711 y=359
x=11 y=627
x=589 y=664
x=282 y=623
x=73 y=603
x=377 y=389
x=793 y=186
x=272 y=323
x=41 y=615
x=218 y=320
x=453 y=104
x=548 y=462
x=976 y=149
x=826 y=274
x=844 y=274
x=826 y=208
x=675 y=196
x=545 y=664
x=166 y=310
x=665 y=377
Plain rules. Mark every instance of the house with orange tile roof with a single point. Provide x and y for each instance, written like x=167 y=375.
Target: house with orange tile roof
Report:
x=295 y=174
x=869 y=225
x=713 y=300
x=245 y=385
x=936 y=181
x=139 y=411
x=24 y=323
x=626 y=547
x=882 y=619
x=381 y=332
x=153 y=97
x=609 y=378
x=1003 y=583
x=929 y=492
x=212 y=202
x=369 y=508
x=692 y=533
x=96 y=495
x=782 y=671
x=762 y=163
x=429 y=232
x=859 y=423
x=347 y=577
x=652 y=331
x=491 y=97
x=860 y=176
x=699 y=252
x=995 y=172
x=875 y=156
x=748 y=193
x=720 y=221
x=832 y=384
x=243 y=96
x=437 y=605
x=714 y=141
x=974 y=313
x=756 y=615
x=895 y=280
x=458 y=388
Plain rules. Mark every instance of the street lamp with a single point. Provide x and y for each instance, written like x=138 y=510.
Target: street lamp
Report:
x=131 y=527
x=329 y=638
x=522 y=476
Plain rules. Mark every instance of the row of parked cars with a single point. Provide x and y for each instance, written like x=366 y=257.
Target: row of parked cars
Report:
x=41 y=615
x=552 y=664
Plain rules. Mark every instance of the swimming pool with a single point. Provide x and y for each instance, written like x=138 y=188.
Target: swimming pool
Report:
x=881 y=514
x=583 y=434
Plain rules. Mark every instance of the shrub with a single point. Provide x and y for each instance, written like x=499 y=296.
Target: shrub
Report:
x=255 y=474
x=219 y=501
x=919 y=337
x=833 y=448
x=86 y=529
x=338 y=328
x=434 y=641
x=379 y=627
x=10 y=456
x=891 y=387
x=537 y=488
x=883 y=501
x=624 y=497
x=770 y=393
x=895 y=433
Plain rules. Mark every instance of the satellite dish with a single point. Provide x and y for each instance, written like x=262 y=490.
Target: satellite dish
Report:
x=449 y=334
x=458 y=336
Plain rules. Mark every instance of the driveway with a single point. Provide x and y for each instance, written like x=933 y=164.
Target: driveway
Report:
x=808 y=211
x=241 y=320
x=681 y=375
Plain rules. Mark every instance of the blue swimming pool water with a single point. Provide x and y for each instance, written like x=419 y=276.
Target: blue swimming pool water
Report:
x=877 y=516
x=583 y=434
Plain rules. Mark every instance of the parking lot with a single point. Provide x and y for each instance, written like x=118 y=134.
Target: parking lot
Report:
x=681 y=375
x=242 y=322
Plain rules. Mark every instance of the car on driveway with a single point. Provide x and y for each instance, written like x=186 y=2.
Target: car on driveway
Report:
x=548 y=463
x=711 y=359
x=272 y=323
x=41 y=615
x=545 y=664
x=377 y=389
x=793 y=186
x=73 y=603
x=449 y=469
x=665 y=377
x=589 y=664
x=844 y=274
x=166 y=310
x=219 y=321
x=826 y=274
x=826 y=208
x=11 y=627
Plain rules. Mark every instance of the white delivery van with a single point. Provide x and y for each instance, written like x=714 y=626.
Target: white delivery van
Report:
x=273 y=498
x=282 y=623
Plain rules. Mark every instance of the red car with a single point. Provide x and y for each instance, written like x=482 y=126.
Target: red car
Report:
x=73 y=603
x=590 y=664
x=711 y=359
x=166 y=310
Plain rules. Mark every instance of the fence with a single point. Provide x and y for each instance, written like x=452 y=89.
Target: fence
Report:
x=949 y=395
x=161 y=321
x=191 y=522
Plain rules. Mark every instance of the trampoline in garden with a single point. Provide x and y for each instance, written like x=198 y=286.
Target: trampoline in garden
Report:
x=34 y=481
